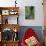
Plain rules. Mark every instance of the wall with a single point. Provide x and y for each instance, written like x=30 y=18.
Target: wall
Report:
x=38 y=21
x=38 y=30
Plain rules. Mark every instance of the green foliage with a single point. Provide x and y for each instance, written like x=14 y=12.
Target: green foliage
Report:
x=29 y=12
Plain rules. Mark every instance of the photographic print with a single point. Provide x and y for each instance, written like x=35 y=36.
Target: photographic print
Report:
x=29 y=12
